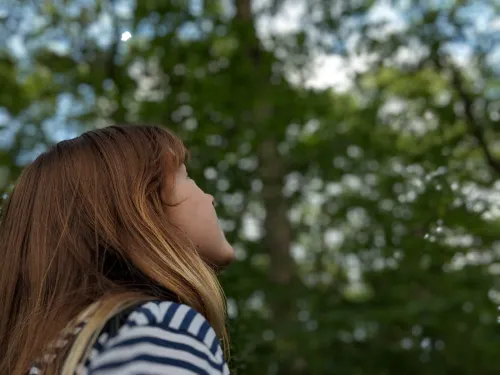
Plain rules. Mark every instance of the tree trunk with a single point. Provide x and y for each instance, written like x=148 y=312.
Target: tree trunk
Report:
x=272 y=171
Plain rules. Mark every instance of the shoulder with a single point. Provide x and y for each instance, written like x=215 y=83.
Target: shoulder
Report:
x=162 y=337
x=175 y=317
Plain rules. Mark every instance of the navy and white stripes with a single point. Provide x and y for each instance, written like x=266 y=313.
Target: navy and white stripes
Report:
x=159 y=338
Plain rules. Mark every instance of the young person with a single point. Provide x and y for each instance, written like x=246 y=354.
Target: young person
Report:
x=109 y=253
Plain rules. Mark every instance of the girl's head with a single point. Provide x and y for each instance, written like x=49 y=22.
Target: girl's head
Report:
x=110 y=211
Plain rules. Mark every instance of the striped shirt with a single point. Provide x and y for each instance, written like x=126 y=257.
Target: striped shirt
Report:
x=158 y=338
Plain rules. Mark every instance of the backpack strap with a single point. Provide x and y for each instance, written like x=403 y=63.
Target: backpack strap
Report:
x=118 y=320
x=80 y=349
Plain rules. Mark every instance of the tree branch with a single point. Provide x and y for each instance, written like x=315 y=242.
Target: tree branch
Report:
x=476 y=129
x=467 y=101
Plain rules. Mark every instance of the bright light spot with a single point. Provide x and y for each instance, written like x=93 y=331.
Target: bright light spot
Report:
x=126 y=36
x=495 y=24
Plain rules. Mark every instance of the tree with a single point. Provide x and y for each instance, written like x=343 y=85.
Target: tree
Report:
x=364 y=221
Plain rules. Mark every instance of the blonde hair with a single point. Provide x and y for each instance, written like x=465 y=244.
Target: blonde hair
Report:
x=86 y=225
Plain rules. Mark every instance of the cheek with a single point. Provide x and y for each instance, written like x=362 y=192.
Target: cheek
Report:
x=199 y=223
x=204 y=228
x=197 y=219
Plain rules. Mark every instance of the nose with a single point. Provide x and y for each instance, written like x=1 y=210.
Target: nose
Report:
x=212 y=198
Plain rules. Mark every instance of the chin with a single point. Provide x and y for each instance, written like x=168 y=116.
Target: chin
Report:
x=227 y=257
x=217 y=254
x=223 y=259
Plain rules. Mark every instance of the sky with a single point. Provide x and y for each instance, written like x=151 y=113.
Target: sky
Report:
x=327 y=69
x=333 y=71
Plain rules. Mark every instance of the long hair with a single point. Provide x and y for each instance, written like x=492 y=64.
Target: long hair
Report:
x=85 y=223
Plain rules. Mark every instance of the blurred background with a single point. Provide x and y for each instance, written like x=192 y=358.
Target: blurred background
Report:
x=353 y=148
